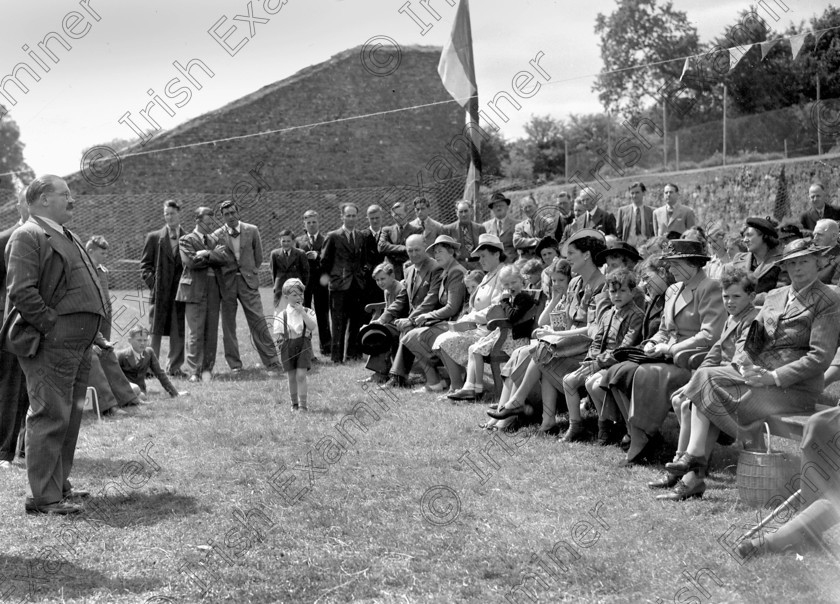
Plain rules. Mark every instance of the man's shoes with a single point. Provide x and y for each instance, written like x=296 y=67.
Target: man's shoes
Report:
x=177 y=374
x=375 y=378
x=433 y=389
x=608 y=433
x=77 y=494
x=61 y=508
x=7 y=465
x=194 y=379
x=625 y=443
x=206 y=376
x=464 y=394
x=114 y=413
x=682 y=491
x=397 y=381
x=295 y=408
x=236 y=370
x=669 y=482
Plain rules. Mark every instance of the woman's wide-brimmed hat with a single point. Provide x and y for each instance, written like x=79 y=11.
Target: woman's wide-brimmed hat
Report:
x=684 y=249
x=496 y=198
x=620 y=248
x=583 y=234
x=763 y=225
x=485 y=241
x=443 y=239
x=798 y=248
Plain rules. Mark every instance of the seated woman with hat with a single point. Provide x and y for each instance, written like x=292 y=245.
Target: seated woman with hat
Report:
x=693 y=318
x=779 y=371
x=453 y=346
x=449 y=299
x=760 y=259
x=569 y=347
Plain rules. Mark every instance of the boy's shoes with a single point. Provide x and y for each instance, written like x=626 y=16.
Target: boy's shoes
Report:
x=206 y=376
x=194 y=379
x=114 y=413
x=177 y=374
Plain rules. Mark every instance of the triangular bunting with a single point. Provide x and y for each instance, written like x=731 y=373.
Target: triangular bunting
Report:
x=796 y=43
x=766 y=47
x=735 y=56
x=685 y=68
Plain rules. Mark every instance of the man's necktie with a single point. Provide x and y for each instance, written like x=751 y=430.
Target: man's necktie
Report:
x=352 y=240
x=67 y=234
x=466 y=235
x=638 y=221
x=207 y=241
x=287 y=254
x=234 y=233
x=586 y=220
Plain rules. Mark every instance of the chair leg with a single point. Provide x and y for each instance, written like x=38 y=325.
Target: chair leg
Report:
x=498 y=383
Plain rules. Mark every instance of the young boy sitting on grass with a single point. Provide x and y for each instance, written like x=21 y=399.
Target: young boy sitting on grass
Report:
x=620 y=326
x=293 y=327
x=138 y=358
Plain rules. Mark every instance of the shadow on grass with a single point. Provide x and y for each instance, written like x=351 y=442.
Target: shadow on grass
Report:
x=33 y=579
x=139 y=509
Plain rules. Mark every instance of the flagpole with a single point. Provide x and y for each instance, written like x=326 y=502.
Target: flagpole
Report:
x=724 y=124
x=474 y=172
x=819 y=128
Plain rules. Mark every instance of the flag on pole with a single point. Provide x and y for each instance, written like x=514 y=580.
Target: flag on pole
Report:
x=685 y=68
x=457 y=72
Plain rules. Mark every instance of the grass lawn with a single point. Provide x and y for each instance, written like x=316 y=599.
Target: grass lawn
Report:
x=226 y=496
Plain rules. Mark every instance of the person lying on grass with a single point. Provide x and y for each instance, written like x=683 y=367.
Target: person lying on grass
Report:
x=136 y=360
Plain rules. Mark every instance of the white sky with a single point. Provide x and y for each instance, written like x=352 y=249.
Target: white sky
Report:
x=131 y=48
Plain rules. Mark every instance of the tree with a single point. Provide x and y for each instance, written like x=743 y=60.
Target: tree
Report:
x=518 y=165
x=544 y=146
x=637 y=33
x=494 y=151
x=11 y=156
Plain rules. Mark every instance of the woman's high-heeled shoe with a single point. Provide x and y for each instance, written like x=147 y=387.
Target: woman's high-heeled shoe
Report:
x=685 y=464
x=682 y=491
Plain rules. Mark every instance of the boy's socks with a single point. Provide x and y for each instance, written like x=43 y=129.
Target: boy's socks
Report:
x=303 y=402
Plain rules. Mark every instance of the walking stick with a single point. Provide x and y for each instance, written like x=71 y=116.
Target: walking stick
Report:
x=786 y=504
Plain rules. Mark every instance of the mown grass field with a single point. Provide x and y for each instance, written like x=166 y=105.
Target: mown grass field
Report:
x=226 y=496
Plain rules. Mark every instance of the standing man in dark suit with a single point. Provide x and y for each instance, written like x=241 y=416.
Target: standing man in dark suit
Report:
x=55 y=309
x=423 y=225
x=595 y=217
x=819 y=207
x=635 y=220
x=501 y=225
x=528 y=233
x=287 y=262
x=465 y=232
x=241 y=281
x=392 y=240
x=563 y=201
x=203 y=258
x=14 y=401
x=373 y=257
x=161 y=268
x=342 y=267
x=316 y=296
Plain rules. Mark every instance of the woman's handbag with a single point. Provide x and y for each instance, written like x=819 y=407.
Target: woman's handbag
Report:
x=757 y=340
x=637 y=355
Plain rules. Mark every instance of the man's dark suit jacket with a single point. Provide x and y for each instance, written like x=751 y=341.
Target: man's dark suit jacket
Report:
x=392 y=244
x=305 y=243
x=601 y=220
x=412 y=300
x=283 y=269
x=161 y=271
x=809 y=219
x=462 y=255
x=136 y=371
x=345 y=264
x=4 y=239
x=625 y=222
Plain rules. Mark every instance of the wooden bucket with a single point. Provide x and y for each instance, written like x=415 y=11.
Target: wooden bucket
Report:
x=761 y=477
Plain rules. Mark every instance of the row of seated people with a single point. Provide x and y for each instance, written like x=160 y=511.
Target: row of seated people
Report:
x=588 y=328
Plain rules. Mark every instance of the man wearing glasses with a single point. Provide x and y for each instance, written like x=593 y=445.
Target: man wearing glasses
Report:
x=241 y=281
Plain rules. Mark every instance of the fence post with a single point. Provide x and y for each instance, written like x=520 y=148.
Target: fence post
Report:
x=677 y=150
x=786 y=155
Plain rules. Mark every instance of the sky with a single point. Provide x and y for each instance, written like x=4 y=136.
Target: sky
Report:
x=123 y=49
